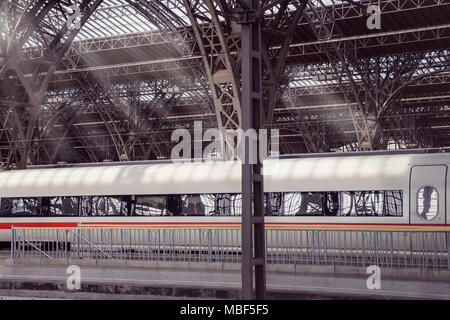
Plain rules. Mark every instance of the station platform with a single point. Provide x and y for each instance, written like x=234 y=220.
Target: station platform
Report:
x=48 y=279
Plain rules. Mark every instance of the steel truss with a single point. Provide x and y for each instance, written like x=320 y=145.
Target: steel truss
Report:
x=325 y=86
x=56 y=42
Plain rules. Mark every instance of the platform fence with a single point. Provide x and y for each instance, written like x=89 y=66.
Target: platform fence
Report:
x=314 y=247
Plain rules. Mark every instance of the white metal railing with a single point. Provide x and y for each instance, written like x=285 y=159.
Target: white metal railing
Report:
x=351 y=248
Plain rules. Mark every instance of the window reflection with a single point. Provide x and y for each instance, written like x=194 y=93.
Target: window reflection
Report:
x=371 y=203
x=427 y=202
x=63 y=206
x=20 y=207
x=332 y=203
x=150 y=206
x=106 y=206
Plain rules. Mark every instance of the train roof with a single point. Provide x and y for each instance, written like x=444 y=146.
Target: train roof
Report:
x=387 y=171
x=289 y=156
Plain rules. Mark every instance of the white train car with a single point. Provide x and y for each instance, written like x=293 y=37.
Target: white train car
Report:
x=337 y=190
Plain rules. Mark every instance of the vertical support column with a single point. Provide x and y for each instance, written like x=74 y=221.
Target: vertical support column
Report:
x=253 y=242
x=13 y=243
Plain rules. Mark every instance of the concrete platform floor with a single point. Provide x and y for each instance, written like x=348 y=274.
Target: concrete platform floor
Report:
x=120 y=282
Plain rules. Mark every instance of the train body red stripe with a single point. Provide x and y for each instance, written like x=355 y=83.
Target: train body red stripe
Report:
x=38 y=225
x=278 y=224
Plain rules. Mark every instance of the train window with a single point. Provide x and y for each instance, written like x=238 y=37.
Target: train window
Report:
x=198 y=204
x=427 y=202
x=63 y=206
x=45 y=206
x=291 y=203
x=361 y=203
x=5 y=207
x=85 y=206
x=302 y=204
x=221 y=204
x=151 y=206
x=371 y=203
x=311 y=204
x=273 y=203
x=20 y=206
x=236 y=204
x=127 y=205
x=331 y=203
x=174 y=205
x=107 y=206
x=393 y=203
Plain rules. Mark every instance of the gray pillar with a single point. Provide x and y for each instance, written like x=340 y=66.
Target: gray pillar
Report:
x=253 y=242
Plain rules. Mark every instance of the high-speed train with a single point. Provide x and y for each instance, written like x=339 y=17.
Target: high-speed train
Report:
x=401 y=188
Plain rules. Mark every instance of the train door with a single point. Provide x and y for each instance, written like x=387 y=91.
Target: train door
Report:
x=427 y=194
